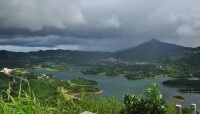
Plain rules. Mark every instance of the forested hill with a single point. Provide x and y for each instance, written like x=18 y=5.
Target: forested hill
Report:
x=72 y=54
x=188 y=56
x=18 y=59
x=75 y=54
x=148 y=51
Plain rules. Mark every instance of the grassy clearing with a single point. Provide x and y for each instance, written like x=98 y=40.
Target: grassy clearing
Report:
x=71 y=84
x=66 y=96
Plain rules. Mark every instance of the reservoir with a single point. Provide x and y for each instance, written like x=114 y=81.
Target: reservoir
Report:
x=119 y=85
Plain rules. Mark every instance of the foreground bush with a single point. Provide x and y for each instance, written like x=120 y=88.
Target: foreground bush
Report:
x=150 y=102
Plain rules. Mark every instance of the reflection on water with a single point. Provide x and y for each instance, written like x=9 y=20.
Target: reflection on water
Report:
x=119 y=85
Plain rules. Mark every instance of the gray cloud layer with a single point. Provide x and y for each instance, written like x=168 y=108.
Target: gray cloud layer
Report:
x=97 y=24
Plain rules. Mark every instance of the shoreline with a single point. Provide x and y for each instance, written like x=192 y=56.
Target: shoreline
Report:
x=103 y=73
x=196 y=92
x=86 y=85
x=49 y=69
x=190 y=92
x=101 y=91
x=73 y=84
x=178 y=99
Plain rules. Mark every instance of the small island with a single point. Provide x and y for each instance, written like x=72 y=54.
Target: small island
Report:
x=195 y=90
x=107 y=70
x=135 y=76
x=52 y=66
x=56 y=68
x=91 y=70
x=80 y=86
x=83 y=82
x=189 y=86
x=182 y=82
x=178 y=98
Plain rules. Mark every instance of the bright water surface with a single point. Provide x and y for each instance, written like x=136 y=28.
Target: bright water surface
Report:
x=119 y=85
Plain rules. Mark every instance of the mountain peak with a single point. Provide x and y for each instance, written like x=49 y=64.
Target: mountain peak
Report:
x=148 y=51
x=154 y=40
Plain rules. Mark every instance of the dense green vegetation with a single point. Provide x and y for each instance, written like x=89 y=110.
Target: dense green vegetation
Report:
x=43 y=89
x=55 y=66
x=197 y=74
x=60 y=57
x=92 y=70
x=78 y=89
x=192 y=86
x=115 y=70
x=135 y=75
x=27 y=103
x=82 y=81
x=152 y=103
x=141 y=71
x=4 y=81
x=179 y=97
x=192 y=90
x=25 y=75
x=82 y=85
x=181 y=70
x=190 y=56
x=183 y=82
x=147 y=51
x=109 y=71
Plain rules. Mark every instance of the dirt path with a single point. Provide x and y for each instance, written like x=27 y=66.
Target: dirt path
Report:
x=26 y=70
x=67 y=96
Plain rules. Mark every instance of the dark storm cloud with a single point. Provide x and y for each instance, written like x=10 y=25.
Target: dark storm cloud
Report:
x=98 y=24
x=41 y=41
x=78 y=33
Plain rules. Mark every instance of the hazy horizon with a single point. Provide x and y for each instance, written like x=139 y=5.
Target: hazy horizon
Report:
x=43 y=49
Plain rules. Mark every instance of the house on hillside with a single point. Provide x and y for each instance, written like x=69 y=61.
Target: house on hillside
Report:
x=44 y=77
x=6 y=70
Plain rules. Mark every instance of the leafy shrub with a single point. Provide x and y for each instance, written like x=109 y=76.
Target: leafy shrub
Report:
x=150 y=102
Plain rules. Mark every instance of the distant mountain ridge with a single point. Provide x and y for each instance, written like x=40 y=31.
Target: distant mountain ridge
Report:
x=148 y=51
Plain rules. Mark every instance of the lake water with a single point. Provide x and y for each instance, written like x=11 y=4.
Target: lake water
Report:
x=119 y=85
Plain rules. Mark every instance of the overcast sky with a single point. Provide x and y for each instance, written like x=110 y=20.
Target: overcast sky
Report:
x=103 y=25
